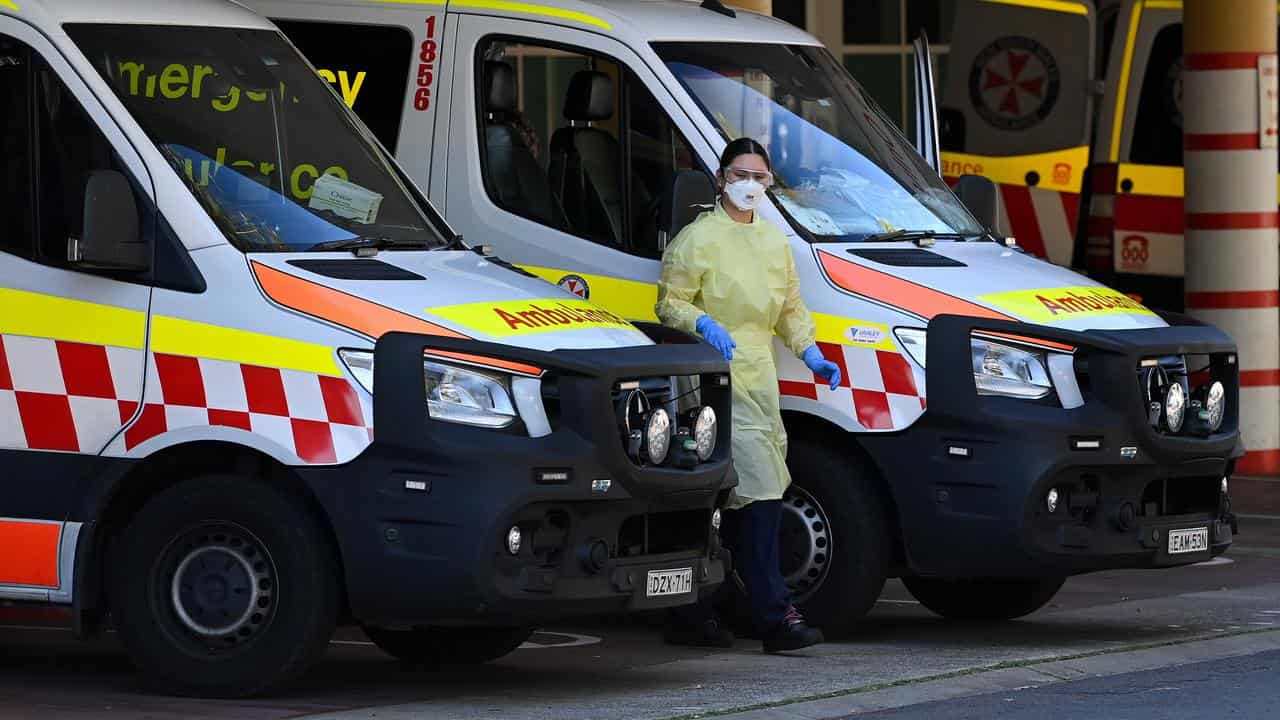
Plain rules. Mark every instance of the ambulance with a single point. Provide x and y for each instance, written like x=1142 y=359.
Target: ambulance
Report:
x=1004 y=423
x=253 y=386
x=1075 y=110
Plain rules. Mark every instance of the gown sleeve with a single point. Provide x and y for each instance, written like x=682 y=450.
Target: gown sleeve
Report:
x=680 y=284
x=795 y=324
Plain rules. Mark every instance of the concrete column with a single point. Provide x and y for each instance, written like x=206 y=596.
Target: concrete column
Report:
x=760 y=6
x=1232 y=256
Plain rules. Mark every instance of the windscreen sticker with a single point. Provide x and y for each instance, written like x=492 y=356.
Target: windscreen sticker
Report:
x=1052 y=304
x=519 y=317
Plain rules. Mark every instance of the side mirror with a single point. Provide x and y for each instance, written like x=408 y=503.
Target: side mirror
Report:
x=982 y=196
x=111 y=237
x=691 y=192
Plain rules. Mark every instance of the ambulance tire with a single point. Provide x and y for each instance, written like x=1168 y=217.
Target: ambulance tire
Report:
x=225 y=587
x=990 y=599
x=451 y=645
x=835 y=573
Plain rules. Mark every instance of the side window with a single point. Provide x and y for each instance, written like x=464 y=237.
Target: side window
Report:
x=50 y=149
x=368 y=66
x=1160 y=103
x=575 y=142
x=16 y=222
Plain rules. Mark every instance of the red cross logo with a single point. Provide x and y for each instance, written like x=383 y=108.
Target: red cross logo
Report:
x=575 y=285
x=1014 y=83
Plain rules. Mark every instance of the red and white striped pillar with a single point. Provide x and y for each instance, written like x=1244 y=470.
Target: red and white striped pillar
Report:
x=1232 y=255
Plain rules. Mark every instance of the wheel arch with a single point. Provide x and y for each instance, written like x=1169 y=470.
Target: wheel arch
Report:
x=819 y=431
x=158 y=472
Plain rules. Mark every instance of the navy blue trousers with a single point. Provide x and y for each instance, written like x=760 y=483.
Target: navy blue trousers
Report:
x=751 y=535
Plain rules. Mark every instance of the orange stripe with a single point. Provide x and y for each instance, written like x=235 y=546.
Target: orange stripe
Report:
x=1039 y=342
x=30 y=553
x=363 y=316
x=914 y=298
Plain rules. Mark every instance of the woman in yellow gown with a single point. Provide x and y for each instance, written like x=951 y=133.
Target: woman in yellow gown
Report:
x=729 y=276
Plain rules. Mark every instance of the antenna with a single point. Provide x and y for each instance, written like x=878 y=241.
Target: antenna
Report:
x=719 y=7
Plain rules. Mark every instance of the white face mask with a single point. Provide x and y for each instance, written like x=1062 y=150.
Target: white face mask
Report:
x=744 y=194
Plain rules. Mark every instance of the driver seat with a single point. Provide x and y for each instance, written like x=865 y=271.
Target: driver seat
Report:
x=586 y=162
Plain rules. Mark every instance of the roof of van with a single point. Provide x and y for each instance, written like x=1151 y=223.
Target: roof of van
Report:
x=217 y=13
x=638 y=21
x=677 y=20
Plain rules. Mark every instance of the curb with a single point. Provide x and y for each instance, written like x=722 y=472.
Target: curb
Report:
x=1008 y=678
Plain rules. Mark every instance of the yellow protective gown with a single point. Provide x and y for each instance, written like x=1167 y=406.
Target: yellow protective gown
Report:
x=743 y=275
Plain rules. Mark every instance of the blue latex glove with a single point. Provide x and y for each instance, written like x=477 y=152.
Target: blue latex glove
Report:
x=821 y=366
x=716 y=335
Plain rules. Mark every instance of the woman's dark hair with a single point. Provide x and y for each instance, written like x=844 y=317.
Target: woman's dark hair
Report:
x=743 y=146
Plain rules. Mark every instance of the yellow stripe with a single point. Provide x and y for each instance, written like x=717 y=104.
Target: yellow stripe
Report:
x=1074 y=8
x=174 y=336
x=1158 y=180
x=1164 y=4
x=47 y=316
x=1013 y=170
x=531 y=9
x=9 y=4
x=631 y=299
x=857 y=333
x=1125 y=66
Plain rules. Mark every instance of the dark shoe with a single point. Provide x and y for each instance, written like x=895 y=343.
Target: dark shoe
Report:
x=709 y=634
x=791 y=634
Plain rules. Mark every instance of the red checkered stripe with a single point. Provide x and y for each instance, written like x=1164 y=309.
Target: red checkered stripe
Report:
x=74 y=397
x=884 y=391
x=317 y=418
x=57 y=395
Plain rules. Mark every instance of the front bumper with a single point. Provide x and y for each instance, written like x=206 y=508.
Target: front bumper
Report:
x=970 y=478
x=421 y=517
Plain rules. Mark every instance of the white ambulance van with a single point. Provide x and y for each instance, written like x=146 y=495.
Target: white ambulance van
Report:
x=218 y=427
x=1004 y=423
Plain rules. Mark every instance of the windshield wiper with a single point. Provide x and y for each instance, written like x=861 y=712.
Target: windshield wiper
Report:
x=367 y=242
x=919 y=236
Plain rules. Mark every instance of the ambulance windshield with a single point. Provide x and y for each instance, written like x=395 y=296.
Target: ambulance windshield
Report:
x=843 y=170
x=261 y=140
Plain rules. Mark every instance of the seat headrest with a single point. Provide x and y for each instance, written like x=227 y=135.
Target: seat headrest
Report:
x=499 y=87
x=590 y=96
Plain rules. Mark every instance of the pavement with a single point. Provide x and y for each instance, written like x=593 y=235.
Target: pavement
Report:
x=1256 y=494
x=1229 y=687
x=617 y=667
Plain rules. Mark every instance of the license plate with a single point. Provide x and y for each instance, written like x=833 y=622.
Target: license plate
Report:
x=669 y=582
x=1188 y=541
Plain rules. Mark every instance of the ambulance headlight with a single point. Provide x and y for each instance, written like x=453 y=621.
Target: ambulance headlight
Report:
x=1212 y=406
x=1006 y=371
x=657 y=436
x=705 y=429
x=1175 y=407
x=454 y=393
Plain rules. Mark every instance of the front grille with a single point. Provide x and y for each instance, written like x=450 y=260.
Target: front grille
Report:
x=1194 y=373
x=679 y=395
x=632 y=399
x=666 y=532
